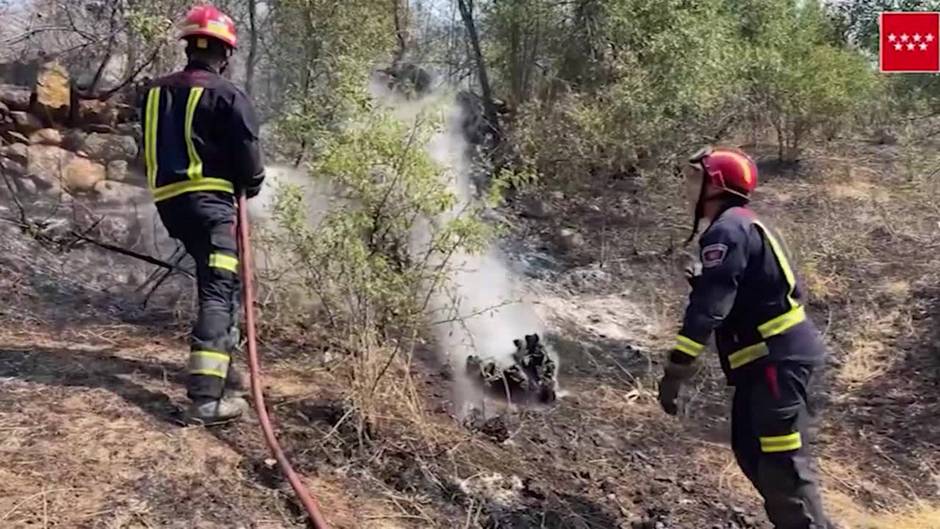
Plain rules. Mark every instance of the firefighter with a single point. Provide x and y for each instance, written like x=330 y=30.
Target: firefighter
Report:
x=746 y=293
x=201 y=148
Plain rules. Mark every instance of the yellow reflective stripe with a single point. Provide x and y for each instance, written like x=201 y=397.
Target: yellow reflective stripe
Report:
x=150 y=135
x=189 y=186
x=210 y=363
x=783 y=322
x=208 y=372
x=688 y=346
x=782 y=261
x=195 y=163
x=781 y=443
x=223 y=261
x=748 y=355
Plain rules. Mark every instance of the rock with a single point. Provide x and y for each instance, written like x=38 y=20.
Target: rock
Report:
x=15 y=97
x=18 y=152
x=53 y=93
x=120 y=193
x=81 y=175
x=12 y=167
x=107 y=147
x=125 y=113
x=73 y=140
x=15 y=137
x=25 y=122
x=46 y=165
x=130 y=129
x=117 y=171
x=26 y=186
x=570 y=239
x=46 y=137
x=558 y=195
x=4 y=110
x=92 y=111
x=100 y=128
x=884 y=136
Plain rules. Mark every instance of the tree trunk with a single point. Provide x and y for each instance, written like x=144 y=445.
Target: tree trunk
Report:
x=489 y=106
x=252 y=46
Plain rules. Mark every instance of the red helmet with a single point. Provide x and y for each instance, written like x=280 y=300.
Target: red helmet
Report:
x=208 y=21
x=727 y=168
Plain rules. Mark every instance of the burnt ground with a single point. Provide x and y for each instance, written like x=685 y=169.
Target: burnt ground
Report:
x=90 y=396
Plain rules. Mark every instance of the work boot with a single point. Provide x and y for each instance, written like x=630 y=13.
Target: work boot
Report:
x=208 y=412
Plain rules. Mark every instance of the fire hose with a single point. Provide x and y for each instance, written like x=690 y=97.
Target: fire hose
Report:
x=300 y=490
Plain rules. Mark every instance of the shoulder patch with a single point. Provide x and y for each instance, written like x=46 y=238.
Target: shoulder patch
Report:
x=713 y=255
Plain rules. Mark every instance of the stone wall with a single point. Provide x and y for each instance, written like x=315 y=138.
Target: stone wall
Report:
x=58 y=146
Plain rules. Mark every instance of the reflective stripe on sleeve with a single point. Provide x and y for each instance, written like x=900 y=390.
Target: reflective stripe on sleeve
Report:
x=689 y=346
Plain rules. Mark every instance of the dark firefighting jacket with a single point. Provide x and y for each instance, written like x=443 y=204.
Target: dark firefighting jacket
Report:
x=201 y=142
x=748 y=295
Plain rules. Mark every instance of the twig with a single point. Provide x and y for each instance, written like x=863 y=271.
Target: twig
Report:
x=130 y=253
x=22 y=502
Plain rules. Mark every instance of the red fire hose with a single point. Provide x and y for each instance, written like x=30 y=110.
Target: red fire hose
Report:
x=248 y=297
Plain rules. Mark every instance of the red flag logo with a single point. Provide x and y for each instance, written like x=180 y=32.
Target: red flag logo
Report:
x=910 y=42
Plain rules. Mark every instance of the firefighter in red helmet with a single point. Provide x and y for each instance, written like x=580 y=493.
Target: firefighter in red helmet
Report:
x=201 y=148
x=746 y=293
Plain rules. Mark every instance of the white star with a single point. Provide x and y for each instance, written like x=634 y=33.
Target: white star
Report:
x=910 y=46
x=892 y=37
x=904 y=37
x=898 y=46
x=929 y=37
x=916 y=37
x=923 y=47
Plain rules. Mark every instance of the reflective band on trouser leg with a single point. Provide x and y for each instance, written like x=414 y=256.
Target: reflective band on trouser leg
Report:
x=689 y=346
x=783 y=323
x=748 y=355
x=150 y=135
x=224 y=261
x=781 y=443
x=209 y=363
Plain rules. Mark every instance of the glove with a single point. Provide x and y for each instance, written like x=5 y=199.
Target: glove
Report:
x=252 y=192
x=669 y=394
x=692 y=273
x=669 y=386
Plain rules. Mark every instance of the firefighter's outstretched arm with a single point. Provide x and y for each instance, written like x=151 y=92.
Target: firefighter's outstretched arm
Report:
x=724 y=258
x=246 y=146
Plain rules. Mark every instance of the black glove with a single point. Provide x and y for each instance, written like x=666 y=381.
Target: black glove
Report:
x=669 y=386
x=669 y=394
x=252 y=192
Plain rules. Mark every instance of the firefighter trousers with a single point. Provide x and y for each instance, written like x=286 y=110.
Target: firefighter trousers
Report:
x=210 y=240
x=769 y=435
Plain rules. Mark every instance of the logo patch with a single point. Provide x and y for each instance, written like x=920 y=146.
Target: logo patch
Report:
x=713 y=255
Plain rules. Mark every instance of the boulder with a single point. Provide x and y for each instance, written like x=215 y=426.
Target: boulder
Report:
x=53 y=93
x=131 y=129
x=81 y=175
x=120 y=193
x=26 y=186
x=73 y=140
x=108 y=147
x=46 y=137
x=18 y=152
x=25 y=122
x=15 y=97
x=47 y=164
x=117 y=171
x=92 y=111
